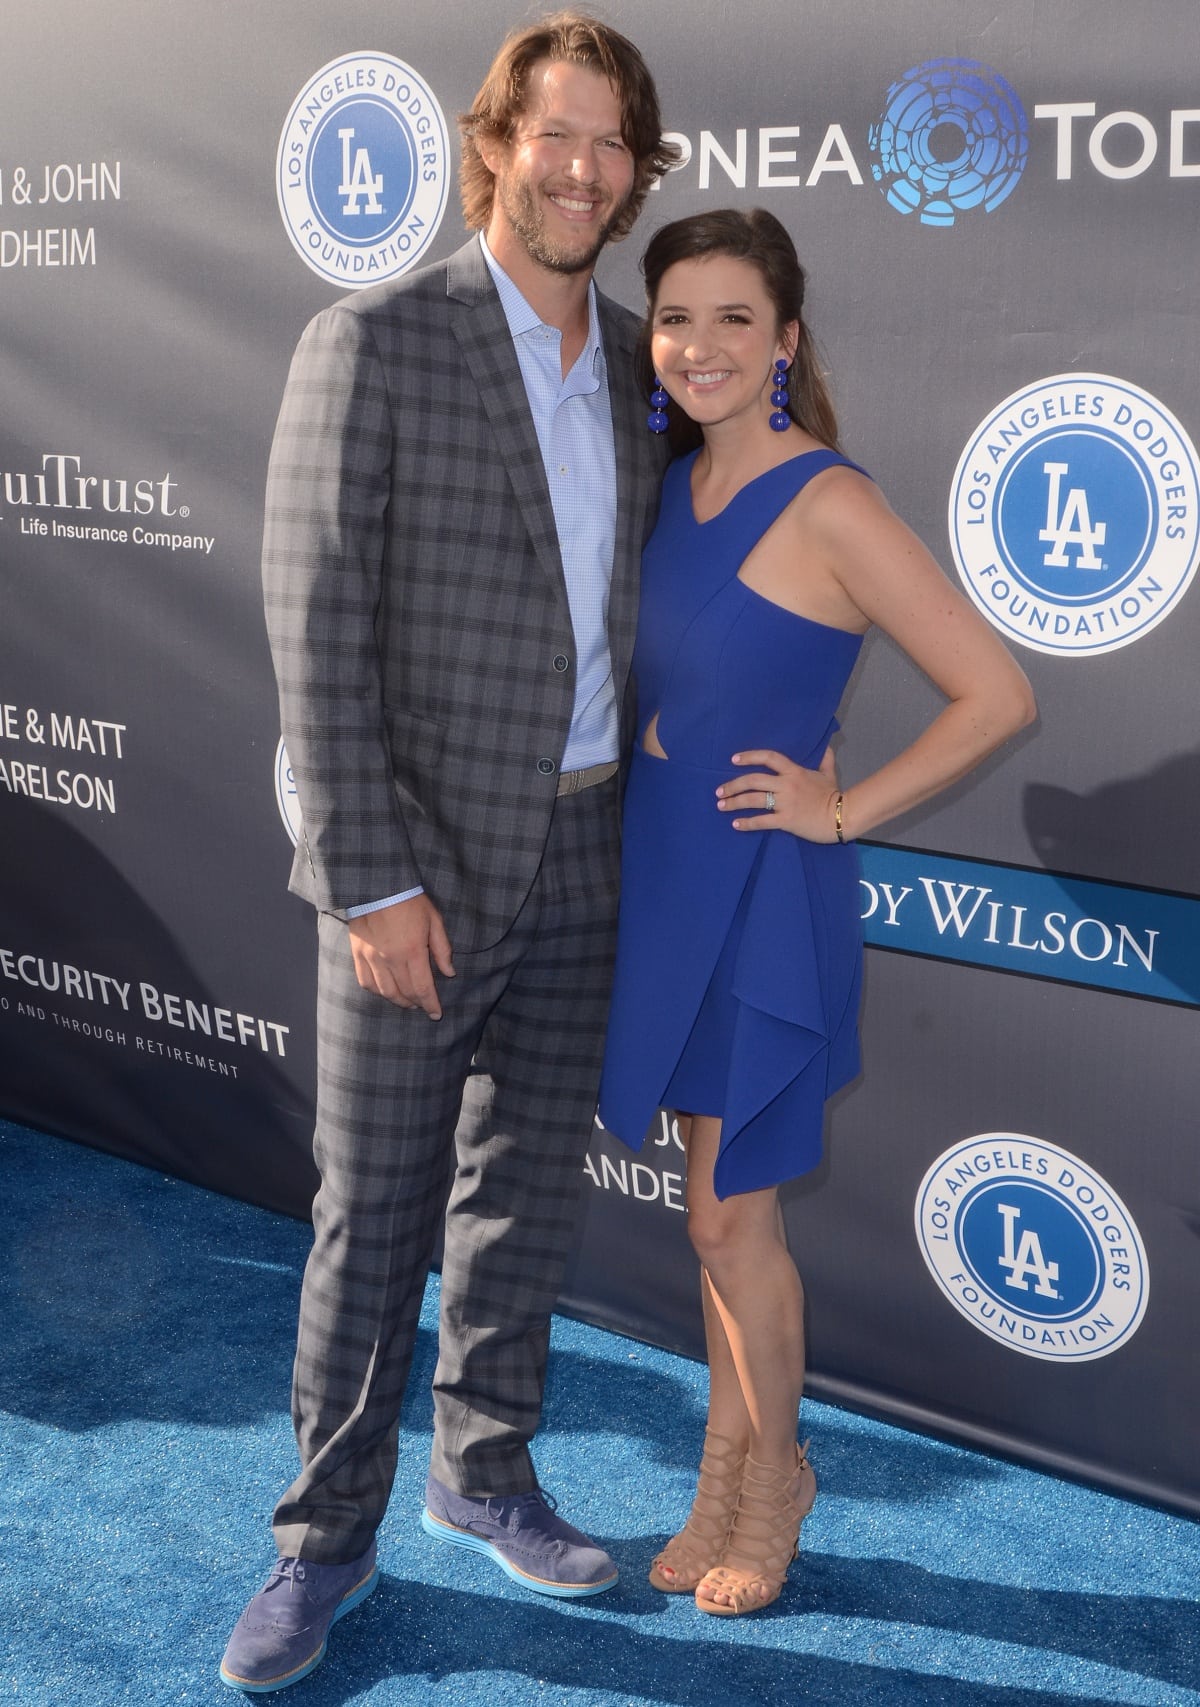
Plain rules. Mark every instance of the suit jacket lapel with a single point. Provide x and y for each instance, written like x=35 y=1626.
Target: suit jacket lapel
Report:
x=486 y=343
x=636 y=480
x=483 y=335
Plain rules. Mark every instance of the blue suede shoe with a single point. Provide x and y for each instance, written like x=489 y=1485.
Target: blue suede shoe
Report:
x=524 y=1536
x=281 y=1635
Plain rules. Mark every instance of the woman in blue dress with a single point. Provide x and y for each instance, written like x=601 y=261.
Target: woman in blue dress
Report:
x=738 y=963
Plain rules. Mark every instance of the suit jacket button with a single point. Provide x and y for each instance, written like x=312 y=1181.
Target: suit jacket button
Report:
x=547 y=767
x=562 y=662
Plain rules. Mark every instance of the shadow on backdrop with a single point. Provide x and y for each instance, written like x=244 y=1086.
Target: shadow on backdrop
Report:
x=1142 y=830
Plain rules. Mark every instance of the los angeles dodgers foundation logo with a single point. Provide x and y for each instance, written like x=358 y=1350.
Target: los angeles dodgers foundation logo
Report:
x=286 y=797
x=362 y=172
x=953 y=137
x=1074 y=514
x=1033 y=1247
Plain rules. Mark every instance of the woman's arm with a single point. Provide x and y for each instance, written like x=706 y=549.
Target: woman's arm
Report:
x=869 y=559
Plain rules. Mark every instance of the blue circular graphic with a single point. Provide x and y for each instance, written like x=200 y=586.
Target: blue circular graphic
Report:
x=1033 y=1247
x=287 y=797
x=362 y=171
x=952 y=137
x=1076 y=516
x=1030 y=1250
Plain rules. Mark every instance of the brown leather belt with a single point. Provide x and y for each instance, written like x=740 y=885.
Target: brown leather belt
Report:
x=572 y=782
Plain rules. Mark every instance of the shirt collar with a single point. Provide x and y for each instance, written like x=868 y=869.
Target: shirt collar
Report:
x=522 y=318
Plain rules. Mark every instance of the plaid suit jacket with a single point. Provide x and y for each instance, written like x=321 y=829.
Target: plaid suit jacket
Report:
x=415 y=596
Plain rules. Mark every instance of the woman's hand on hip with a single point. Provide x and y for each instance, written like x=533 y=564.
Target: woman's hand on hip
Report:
x=781 y=795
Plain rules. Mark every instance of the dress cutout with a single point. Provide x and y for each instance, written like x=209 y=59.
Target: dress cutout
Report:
x=739 y=953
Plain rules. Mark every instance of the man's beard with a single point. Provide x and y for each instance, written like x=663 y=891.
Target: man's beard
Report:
x=528 y=225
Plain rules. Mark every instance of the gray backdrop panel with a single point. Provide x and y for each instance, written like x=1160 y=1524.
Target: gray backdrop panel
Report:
x=156 y=980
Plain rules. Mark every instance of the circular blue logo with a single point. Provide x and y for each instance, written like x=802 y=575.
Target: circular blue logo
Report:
x=355 y=202
x=287 y=797
x=1005 y=1232
x=953 y=137
x=1075 y=514
x=1044 y=527
x=362 y=171
x=1033 y=1247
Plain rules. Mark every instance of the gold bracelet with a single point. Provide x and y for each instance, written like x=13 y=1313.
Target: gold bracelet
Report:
x=837 y=819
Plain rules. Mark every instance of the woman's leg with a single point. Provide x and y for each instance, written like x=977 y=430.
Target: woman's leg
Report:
x=701 y=1543
x=754 y=1317
x=754 y=1298
x=727 y=1414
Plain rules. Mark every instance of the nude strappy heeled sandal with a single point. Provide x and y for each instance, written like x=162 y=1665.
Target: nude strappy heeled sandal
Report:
x=701 y=1542
x=764 y=1537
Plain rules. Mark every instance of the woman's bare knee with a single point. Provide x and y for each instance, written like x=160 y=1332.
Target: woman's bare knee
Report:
x=723 y=1233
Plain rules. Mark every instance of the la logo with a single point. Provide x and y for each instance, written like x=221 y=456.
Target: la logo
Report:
x=358 y=180
x=1070 y=525
x=1026 y=1259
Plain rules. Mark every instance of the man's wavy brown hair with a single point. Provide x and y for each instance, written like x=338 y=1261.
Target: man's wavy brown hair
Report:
x=577 y=39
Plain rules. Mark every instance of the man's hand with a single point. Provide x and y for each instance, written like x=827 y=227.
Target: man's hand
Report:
x=396 y=949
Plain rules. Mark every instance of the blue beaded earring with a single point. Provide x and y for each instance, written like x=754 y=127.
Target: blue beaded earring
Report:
x=656 y=420
x=780 y=420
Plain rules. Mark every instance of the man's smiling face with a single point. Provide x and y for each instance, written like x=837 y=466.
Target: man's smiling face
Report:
x=564 y=176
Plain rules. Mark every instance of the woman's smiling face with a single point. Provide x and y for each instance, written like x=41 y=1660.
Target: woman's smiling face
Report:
x=715 y=339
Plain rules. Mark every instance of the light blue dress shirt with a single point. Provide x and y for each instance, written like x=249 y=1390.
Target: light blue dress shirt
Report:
x=573 y=422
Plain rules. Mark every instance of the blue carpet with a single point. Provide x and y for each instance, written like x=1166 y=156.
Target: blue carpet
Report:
x=144 y=1366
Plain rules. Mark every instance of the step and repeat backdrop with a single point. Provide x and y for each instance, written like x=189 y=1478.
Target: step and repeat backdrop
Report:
x=999 y=209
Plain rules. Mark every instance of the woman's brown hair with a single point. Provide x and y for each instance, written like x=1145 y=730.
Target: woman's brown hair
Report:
x=758 y=237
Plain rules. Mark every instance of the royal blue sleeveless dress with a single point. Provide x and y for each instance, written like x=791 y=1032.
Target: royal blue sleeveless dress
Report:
x=739 y=953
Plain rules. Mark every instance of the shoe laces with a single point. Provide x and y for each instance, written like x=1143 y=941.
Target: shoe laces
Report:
x=284 y=1570
x=513 y=1504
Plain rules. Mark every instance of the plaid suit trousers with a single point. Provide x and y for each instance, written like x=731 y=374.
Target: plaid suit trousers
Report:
x=390 y=1140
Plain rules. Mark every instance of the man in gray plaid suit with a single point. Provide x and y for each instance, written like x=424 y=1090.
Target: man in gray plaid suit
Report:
x=460 y=487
